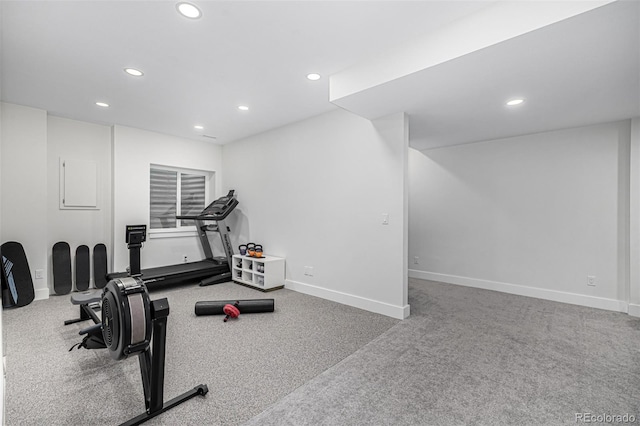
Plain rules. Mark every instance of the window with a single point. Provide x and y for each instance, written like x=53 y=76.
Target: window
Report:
x=176 y=192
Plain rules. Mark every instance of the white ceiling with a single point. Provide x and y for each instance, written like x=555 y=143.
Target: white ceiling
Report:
x=64 y=56
x=577 y=71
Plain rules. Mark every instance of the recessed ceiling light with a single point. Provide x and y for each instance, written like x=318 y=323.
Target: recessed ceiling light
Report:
x=243 y=108
x=313 y=76
x=514 y=102
x=189 y=10
x=102 y=104
x=134 y=72
x=198 y=127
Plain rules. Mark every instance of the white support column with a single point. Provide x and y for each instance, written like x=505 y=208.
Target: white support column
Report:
x=634 y=220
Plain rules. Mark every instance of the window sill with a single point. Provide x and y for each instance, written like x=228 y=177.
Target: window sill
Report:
x=172 y=233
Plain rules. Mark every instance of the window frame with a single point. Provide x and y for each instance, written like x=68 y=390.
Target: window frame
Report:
x=180 y=230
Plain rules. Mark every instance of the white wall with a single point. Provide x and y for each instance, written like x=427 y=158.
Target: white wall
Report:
x=134 y=150
x=32 y=144
x=77 y=140
x=24 y=186
x=315 y=192
x=532 y=215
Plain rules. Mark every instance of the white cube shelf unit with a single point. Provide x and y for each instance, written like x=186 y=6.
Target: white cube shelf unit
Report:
x=264 y=273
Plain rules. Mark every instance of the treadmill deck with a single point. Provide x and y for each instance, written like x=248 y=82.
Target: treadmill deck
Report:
x=182 y=272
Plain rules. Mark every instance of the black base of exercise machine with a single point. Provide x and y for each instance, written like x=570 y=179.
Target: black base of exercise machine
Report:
x=211 y=270
x=244 y=306
x=216 y=279
x=89 y=302
x=198 y=390
x=132 y=324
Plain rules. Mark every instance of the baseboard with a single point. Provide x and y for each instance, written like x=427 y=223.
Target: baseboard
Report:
x=634 y=310
x=41 y=293
x=538 y=293
x=393 y=311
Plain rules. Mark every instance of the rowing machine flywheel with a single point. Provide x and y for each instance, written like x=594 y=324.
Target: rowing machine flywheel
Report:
x=126 y=317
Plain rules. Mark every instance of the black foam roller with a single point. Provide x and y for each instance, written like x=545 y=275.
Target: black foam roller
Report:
x=245 y=306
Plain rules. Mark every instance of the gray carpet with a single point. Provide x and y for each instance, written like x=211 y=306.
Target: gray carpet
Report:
x=248 y=363
x=470 y=356
x=465 y=356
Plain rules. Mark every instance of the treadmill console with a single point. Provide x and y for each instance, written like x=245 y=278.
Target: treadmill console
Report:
x=220 y=208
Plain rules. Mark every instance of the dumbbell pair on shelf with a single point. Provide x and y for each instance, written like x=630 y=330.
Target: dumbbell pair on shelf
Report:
x=250 y=249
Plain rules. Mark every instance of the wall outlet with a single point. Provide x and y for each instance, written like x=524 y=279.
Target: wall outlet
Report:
x=415 y=260
x=308 y=270
x=39 y=274
x=185 y=259
x=385 y=218
x=591 y=280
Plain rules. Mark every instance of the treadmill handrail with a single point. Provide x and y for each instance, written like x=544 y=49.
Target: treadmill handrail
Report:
x=203 y=218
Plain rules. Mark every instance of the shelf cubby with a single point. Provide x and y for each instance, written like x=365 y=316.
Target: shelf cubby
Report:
x=265 y=273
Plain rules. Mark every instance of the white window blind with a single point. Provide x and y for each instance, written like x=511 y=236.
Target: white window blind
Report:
x=192 y=191
x=173 y=191
x=164 y=193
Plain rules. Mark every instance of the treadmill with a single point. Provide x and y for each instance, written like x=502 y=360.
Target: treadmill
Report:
x=211 y=270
